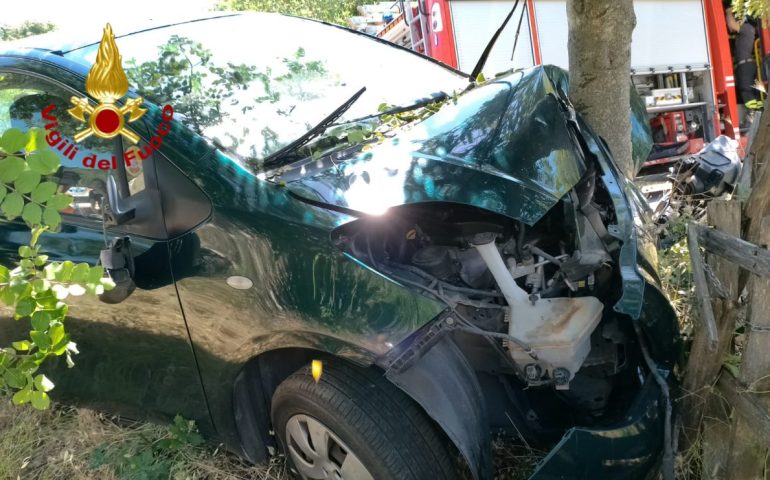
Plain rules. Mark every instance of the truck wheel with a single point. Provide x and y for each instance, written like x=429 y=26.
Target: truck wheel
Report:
x=355 y=425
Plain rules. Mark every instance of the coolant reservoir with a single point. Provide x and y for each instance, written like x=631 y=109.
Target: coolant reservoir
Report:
x=559 y=332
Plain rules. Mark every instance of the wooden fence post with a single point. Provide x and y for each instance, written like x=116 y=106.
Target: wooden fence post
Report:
x=748 y=452
x=704 y=363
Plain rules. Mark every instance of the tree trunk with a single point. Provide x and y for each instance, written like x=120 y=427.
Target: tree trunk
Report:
x=600 y=69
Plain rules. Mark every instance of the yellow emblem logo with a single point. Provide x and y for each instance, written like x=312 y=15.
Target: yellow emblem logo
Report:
x=107 y=82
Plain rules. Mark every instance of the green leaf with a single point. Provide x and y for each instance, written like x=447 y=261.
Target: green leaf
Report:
x=44 y=162
x=80 y=273
x=56 y=333
x=95 y=274
x=43 y=384
x=40 y=285
x=3 y=191
x=40 y=400
x=27 y=181
x=27 y=264
x=61 y=346
x=7 y=296
x=43 y=192
x=12 y=205
x=41 y=339
x=25 y=307
x=47 y=300
x=41 y=320
x=22 y=396
x=60 y=201
x=10 y=169
x=21 y=287
x=51 y=217
x=355 y=136
x=36 y=139
x=4 y=274
x=21 y=346
x=64 y=271
x=28 y=366
x=14 y=378
x=13 y=140
x=32 y=215
x=60 y=311
x=40 y=260
x=25 y=251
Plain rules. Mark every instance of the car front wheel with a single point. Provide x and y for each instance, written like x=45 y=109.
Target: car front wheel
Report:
x=355 y=425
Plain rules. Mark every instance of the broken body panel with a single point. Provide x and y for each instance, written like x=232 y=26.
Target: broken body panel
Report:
x=511 y=162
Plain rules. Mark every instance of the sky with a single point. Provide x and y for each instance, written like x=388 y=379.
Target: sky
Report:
x=70 y=13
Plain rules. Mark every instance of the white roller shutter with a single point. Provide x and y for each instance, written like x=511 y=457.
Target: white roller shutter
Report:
x=475 y=22
x=668 y=33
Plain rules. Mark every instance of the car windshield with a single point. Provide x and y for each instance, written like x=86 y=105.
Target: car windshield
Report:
x=253 y=83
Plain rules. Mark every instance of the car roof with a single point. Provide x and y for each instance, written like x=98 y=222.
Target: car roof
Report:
x=69 y=38
x=74 y=38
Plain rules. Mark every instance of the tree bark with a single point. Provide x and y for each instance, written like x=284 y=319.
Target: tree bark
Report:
x=758 y=204
x=600 y=67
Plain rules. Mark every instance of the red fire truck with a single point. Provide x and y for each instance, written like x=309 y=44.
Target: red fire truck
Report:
x=680 y=58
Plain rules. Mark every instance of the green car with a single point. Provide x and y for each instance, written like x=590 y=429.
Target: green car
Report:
x=330 y=247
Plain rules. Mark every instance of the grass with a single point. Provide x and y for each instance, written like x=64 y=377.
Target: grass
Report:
x=78 y=443
x=514 y=461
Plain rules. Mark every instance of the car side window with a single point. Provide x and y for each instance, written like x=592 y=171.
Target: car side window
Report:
x=26 y=102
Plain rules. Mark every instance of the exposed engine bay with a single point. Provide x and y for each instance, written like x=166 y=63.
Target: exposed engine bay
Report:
x=540 y=295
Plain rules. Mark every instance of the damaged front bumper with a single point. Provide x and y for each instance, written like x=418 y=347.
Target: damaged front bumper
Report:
x=430 y=368
x=630 y=450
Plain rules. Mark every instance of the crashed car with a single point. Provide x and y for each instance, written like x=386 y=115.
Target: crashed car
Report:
x=353 y=255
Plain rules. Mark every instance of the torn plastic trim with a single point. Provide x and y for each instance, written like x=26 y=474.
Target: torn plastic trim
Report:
x=628 y=450
x=444 y=384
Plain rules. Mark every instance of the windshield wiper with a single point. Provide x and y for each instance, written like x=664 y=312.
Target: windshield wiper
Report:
x=423 y=102
x=272 y=160
x=488 y=49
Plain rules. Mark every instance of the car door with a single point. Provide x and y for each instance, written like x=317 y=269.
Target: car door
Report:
x=135 y=356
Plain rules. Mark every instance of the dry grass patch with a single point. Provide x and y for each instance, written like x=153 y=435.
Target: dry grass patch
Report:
x=78 y=443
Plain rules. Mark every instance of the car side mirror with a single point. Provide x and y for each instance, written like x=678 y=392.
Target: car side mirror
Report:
x=118 y=211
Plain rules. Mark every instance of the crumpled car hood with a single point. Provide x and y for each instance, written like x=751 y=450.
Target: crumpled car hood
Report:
x=504 y=146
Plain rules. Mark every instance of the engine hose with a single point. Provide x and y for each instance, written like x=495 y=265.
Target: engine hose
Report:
x=550 y=258
x=667 y=466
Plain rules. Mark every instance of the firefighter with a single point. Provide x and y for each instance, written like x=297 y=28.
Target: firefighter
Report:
x=743 y=56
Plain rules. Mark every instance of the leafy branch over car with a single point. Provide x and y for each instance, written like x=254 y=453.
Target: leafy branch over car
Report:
x=35 y=288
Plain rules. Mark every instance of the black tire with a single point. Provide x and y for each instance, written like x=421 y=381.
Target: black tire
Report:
x=387 y=431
